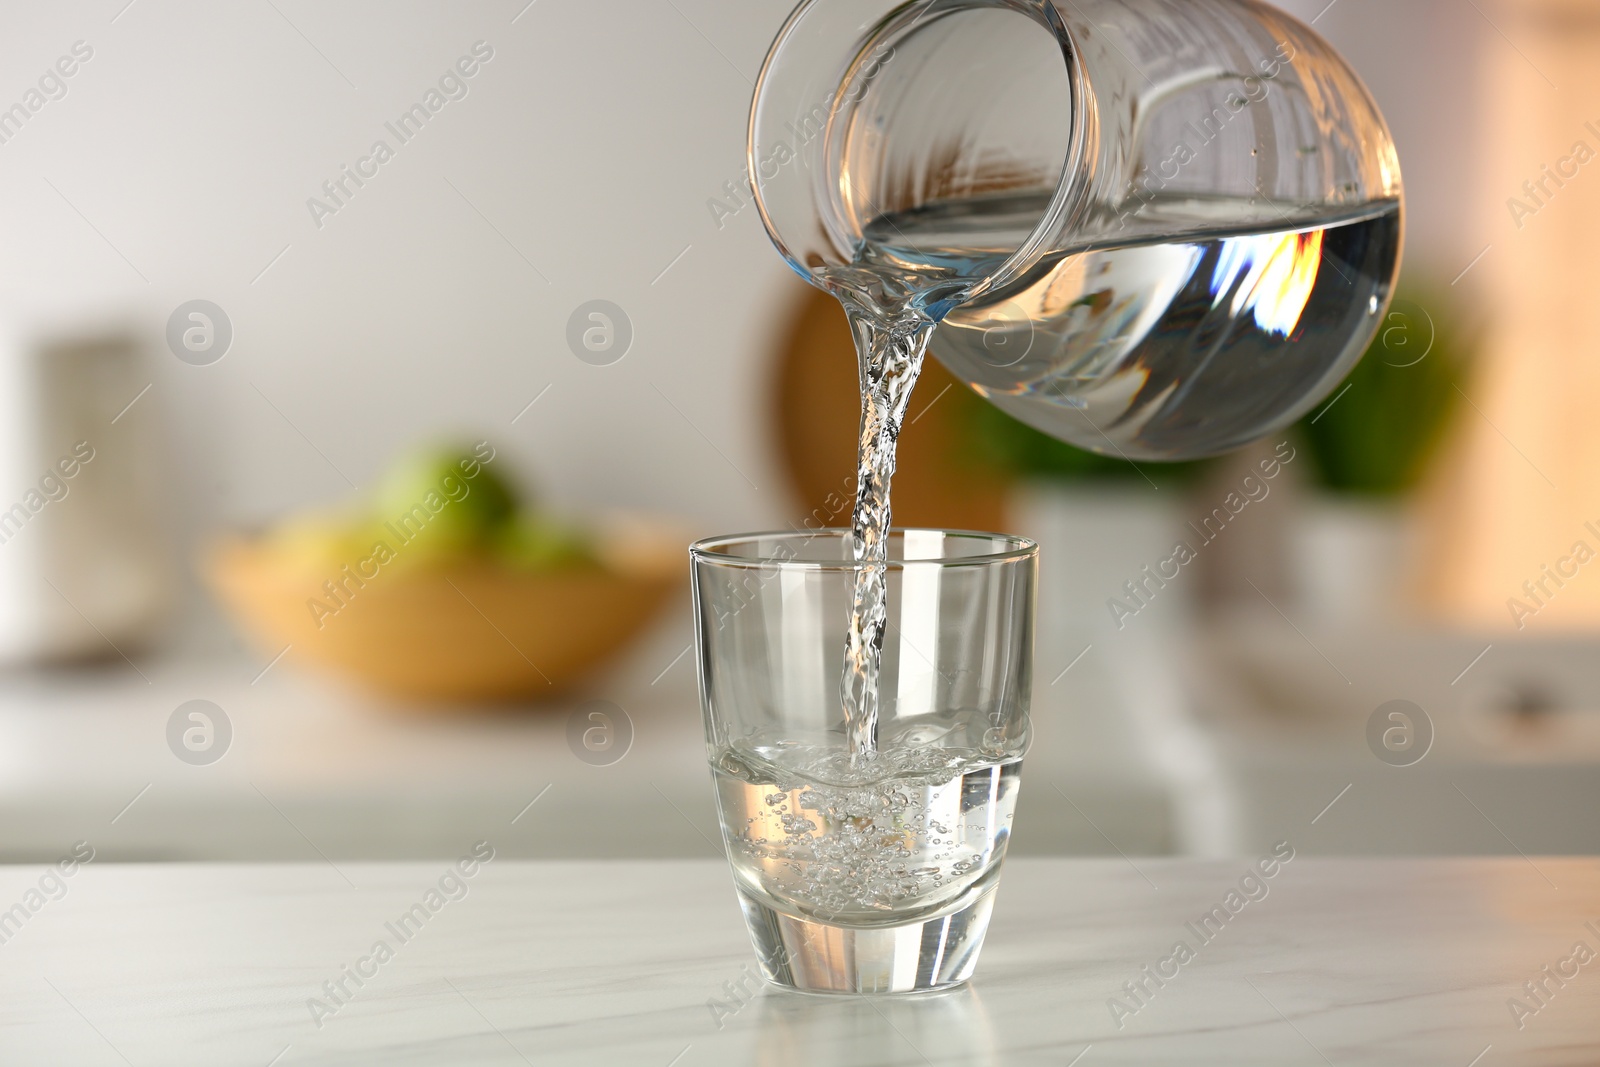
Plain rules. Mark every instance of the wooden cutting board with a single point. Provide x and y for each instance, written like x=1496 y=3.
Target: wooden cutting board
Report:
x=817 y=406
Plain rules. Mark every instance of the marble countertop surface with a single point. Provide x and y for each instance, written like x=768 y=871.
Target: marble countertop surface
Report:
x=1329 y=961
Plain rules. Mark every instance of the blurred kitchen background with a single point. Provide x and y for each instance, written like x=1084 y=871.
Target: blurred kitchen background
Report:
x=1387 y=646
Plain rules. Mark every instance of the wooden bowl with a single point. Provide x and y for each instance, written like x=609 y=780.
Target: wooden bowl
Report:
x=471 y=631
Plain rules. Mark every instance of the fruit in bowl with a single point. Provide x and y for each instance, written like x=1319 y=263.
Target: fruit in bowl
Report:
x=446 y=587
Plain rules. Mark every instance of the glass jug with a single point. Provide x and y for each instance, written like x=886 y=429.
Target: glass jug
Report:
x=1155 y=229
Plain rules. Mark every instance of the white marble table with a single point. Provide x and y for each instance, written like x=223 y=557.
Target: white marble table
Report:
x=594 y=963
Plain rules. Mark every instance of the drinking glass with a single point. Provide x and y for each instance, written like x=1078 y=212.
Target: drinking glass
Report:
x=871 y=873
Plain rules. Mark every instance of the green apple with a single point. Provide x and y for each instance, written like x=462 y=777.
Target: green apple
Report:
x=536 y=543
x=443 y=501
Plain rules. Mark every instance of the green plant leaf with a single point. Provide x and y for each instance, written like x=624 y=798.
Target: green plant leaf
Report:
x=1381 y=428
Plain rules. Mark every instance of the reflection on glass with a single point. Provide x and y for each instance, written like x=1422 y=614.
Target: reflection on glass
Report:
x=801 y=1031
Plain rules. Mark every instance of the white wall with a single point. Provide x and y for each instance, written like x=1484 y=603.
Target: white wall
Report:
x=195 y=135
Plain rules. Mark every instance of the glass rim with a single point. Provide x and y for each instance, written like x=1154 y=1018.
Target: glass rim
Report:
x=711 y=550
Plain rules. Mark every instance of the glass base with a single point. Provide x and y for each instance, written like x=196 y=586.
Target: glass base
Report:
x=812 y=956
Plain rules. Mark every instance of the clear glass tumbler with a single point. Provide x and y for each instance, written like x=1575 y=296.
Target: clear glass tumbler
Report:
x=866 y=874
